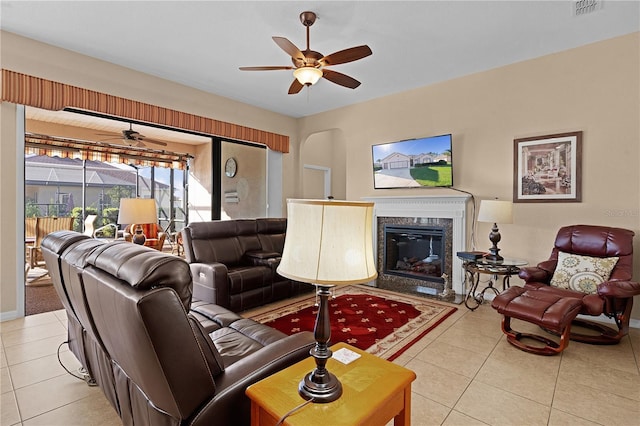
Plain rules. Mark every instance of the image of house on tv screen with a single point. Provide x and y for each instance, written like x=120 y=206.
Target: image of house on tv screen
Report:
x=424 y=162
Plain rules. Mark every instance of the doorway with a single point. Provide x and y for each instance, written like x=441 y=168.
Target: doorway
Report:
x=316 y=182
x=67 y=177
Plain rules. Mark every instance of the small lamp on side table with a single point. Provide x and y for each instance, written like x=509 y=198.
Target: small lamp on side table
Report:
x=137 y=211
x=495 y=211
x=328 y=243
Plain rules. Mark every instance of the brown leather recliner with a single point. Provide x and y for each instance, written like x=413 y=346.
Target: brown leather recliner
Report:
x=52 y=250
x=66 y=252
x=168 y=369
x=613 y=298
x=159 y=356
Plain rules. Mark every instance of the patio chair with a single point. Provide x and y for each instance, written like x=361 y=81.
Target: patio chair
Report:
x=44 y=226
x=90 y=225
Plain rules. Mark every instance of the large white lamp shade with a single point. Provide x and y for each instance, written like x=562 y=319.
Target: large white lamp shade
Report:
x=328 y=243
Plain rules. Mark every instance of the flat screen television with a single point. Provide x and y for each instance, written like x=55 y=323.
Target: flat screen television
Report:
x=417 y=163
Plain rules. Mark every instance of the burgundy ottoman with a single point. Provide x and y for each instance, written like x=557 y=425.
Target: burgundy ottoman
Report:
x=549 y=311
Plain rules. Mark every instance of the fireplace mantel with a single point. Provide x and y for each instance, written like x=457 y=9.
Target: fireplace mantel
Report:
x=451 y=206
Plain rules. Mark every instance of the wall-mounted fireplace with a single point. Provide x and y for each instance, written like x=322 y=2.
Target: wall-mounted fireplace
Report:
x=416 y=252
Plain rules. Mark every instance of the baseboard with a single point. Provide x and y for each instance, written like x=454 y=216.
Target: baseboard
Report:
x=7 y=316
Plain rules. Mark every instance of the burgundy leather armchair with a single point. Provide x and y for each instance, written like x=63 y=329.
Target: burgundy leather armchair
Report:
x=613 y=297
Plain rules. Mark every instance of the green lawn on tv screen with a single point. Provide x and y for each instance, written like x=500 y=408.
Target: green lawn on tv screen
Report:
x=439 y=175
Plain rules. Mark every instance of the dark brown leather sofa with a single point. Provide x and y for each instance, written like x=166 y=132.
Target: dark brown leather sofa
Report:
x=233 y=262
x=160 y=357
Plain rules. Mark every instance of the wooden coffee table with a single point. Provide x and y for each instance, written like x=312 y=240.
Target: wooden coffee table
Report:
x=374 y=392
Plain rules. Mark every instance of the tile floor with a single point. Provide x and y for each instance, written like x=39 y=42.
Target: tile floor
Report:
x=467 y=375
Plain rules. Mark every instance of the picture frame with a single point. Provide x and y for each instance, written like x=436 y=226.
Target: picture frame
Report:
x=547 y=169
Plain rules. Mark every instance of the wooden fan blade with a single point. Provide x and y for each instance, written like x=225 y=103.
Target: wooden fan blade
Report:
x=110 y=139
x=289 y=47
x=295 y=87
x=137 y=137
x=153 y=141
x=121 y=142
x=347 y=55
x=339 y=78
x=267 y=68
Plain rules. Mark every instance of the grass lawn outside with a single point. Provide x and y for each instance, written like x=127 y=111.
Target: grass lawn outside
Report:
x=439 y=175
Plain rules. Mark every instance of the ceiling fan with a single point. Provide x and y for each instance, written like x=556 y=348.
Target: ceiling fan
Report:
x=131 y=137
x=309 y=66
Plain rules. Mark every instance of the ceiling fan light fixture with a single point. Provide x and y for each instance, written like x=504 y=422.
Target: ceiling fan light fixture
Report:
x=307 y=75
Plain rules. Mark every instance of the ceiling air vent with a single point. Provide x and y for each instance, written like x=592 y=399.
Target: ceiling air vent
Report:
x=584 y=7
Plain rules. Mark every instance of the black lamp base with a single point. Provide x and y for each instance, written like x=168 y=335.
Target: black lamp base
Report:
x=320 y=384
x=327 y=390
x=494 y=257
x=494 y=237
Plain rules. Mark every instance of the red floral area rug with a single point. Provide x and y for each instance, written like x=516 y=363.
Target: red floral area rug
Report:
x=381 y=322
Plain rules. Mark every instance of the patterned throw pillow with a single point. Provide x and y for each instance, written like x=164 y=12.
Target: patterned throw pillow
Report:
x=582 y=273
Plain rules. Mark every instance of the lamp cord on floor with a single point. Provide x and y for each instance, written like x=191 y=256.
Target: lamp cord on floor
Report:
x=283 y=418
x=65 y=368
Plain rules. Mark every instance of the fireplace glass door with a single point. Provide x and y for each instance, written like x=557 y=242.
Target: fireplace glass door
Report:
x=415 y=251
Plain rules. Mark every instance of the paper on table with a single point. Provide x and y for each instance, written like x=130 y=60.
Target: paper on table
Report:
x=345 y=355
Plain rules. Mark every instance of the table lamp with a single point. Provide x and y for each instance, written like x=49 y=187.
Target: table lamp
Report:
x=497 y=212
x=328 y=243
x=137 y=211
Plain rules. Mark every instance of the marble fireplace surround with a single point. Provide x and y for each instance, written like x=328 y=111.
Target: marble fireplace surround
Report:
x=449 y=206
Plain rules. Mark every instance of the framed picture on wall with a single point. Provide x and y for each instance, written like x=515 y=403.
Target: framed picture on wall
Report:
x=547 y=168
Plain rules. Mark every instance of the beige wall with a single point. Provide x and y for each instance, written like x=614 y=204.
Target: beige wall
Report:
x=248 y=184
x=593 y=88
x=324 y=149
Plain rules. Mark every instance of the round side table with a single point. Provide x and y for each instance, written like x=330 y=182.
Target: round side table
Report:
x=474 y=268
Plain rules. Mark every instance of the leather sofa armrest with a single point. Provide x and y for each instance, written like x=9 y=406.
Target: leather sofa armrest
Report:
x=230 y=405
x=263 y=254
x=211 y=283
x=620 y=289
x=268 y=360
x=535 y=274
x=264 y=258
x=219 y=314
x=270 y=259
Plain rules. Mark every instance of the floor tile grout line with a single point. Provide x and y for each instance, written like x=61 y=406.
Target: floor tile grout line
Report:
x=473 y=379
x=555 y=386
x=457 y=320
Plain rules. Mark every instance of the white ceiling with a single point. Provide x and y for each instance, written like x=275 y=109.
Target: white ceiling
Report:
x=202 y=43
